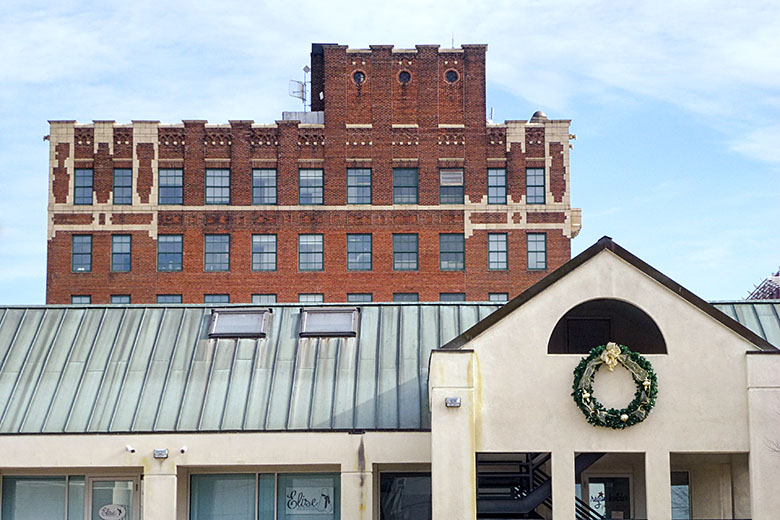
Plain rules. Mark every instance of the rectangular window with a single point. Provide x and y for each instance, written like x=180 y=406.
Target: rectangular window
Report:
x=681 y=496
x=120 y=298
x=264 y=252
x=60 y=497
x=537 y=251
x=171 y=189
x=80 y=298
x=81 y=255
x=406 y=297
x=404 y=185
x=217 y=186
x=169 y=252
x=310 y=186
x=452 y=297
x=263 y=186
x=358 y=185
x=123 y=186
x=360 y=297
x=216 y=253
x=405 y=496
x=498 y=297
x=310 y=253
x=311 y=298
x=359 y=252
x=308 y=496
x=497 y=186
x=534 y=185
x=216 y=298
x=452 y=252
x=451 y=186
x=120 y=253
x=239 y=323
x=229 y=497
x=497 y=251
x=82 y=186
x=169 y=298
x=263 y=298
x=329 y=322
x=405 y=252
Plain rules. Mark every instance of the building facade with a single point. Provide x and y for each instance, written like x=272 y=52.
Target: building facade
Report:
x=394 y=187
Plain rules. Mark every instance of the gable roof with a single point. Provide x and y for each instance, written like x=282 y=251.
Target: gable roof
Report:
x=608 y=244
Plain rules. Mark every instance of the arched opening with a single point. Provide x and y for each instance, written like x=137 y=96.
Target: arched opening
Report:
x=598 y=322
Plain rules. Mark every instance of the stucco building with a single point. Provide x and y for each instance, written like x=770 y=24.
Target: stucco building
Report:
x=397 y=410
x=394 y=187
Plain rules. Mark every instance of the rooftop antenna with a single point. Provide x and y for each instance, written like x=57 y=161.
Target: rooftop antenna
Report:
x=453 y=40
x=298 y=88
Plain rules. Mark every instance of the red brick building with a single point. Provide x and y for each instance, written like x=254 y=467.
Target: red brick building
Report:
x=394 y=186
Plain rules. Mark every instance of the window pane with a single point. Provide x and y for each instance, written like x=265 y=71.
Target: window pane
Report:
x=217 y=186
x=534 y=185
x=497 y=251
x=404 y=185
x=405 y=496
x=451 y=186
x=452 y=297
x=169 y=298
x=310 y=186
x=169 y=249
x=263 y=252
x=263 y=298
x=171 y=189
x=263 y=186
x=405 y=252
x=452 y=252
x=359 y=297
x=310 y=252
x=81 y=253
x=681 y=496
x=217 y=253
x=34 y=498
x=120 y=298
x=498 y=297
x=497 y=186
x=329 y=322
x=222 y=497
x=308 y=497
x=216 y=298
x=82 y=186
x=358 y=186
x=105 y=492
x=311 y=298
x=406 y=297
x=123 y=186
x=120 y=253
x=537 y=250
x=80 y=299
x=76 y=497
x=238 y=323
x=359 y=252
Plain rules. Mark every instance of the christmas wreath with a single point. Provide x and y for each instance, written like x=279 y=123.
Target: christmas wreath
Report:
x=611 y=355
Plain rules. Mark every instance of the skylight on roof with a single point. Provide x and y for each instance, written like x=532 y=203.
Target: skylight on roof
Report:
x=239 y=323
x=329 y=322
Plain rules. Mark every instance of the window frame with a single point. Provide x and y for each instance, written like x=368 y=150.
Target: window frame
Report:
x=453 y=297
x=306 y=314
x=501 y=264
x=458 y=196
x=212 y=175
x=403 y=294
x=402 y=199
x=216 y=267
x=218 y=301
x=321 y=253
x=459 y=265
x=260 y=200
x=129 y=253
x=529 y=252
x=81 y=188
x=360 y=297
x=88 y=298
x=498 y=187
x=261 y=333
x=360 y=265
x=180 y=253
x=260 y=295
x=354 y=189
x=317 y=199
x=257 y=263
x=127 y=174
x=416 y=252
x=175 y=174
x=533 y=186
x=492 y=297
x=74 y=254
x=320 y=298
x=118 y=296
x=158 y=296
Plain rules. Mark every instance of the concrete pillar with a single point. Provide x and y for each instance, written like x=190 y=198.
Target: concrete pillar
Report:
x=563 y=484
x=453 y=435
x=658 y=484
x=764 y=418
x=159 y=496
x=357 y=491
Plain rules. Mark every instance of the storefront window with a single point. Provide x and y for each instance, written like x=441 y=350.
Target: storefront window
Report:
x=308 y=497
x=43 y=498
x=405 y=496
x=610 y=497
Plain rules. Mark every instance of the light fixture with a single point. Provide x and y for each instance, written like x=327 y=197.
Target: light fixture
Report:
x=452 y=402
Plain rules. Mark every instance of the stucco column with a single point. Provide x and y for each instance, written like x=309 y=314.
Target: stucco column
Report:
x=764 y=418
x=159 y=496
x=357 y=490
x=658 y=484
x=563 y=484
x=453 y=439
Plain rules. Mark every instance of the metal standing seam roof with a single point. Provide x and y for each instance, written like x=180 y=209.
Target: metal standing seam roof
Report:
x=760 y=316
x=135 y=368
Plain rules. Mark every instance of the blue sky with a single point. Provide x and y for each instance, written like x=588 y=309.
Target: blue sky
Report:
x=676 y=105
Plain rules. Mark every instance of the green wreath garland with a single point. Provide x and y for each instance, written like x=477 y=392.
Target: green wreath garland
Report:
x=645 y=378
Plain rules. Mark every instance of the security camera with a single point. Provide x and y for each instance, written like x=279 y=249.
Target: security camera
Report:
x=129 y=449
x=183 y=449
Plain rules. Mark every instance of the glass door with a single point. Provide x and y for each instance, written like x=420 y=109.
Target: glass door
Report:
x=610 y=497
x=112 y=499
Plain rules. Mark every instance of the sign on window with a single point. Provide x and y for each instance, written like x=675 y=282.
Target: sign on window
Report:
x=309 y=501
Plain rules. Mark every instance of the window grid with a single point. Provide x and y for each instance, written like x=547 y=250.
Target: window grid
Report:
x=80 y=298
x=263 y=298
x=498 y=297
x=217 y=186
x=310 y=252
x=264 y=252
x=449 y=191
x=171 y=189
x=120 y=253
x=217 y=253
x=406 y=297
x=310 y=187
x=534 y=185
x=497 y=251
x=169 y=252
x=405 y=182
x=358 y=185
x=452 y=297
x=311 y=298
x=123 y=186
x=360 y=297
x=81 y=255
x=452 y=254
x=359 y=252
x=537 y=251
x=169 y=298
x=82 y=186
x=120 y=298
x=216 y=298
x=405 y=252
x=263 y=186
x=496 y=186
